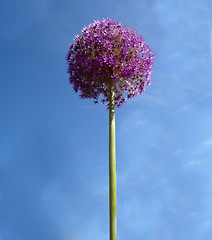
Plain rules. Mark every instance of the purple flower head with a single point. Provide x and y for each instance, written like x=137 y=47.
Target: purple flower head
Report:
x=108 y=52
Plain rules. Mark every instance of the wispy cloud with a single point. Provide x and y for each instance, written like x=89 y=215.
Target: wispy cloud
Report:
x=207 y=224
x=207 y=143
x=161 y=183
x=198 y=162
x=175 y=153
x=205 y=146
x=189 y=217
x=181 y=109
x=132 y=121
x=129 y=126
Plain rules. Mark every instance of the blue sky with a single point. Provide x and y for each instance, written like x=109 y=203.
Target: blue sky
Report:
x=54 y=146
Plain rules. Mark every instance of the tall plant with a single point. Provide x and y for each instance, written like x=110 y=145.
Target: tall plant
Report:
x=109 y=63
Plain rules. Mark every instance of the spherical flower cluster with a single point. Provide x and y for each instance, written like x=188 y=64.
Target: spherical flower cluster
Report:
x=109 y=53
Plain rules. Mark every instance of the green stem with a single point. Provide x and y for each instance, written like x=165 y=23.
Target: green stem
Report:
x=112 y=165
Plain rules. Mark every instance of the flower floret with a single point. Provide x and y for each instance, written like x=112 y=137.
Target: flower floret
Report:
x=108 y=52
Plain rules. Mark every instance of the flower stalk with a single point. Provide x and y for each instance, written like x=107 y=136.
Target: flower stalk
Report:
x=112 y=164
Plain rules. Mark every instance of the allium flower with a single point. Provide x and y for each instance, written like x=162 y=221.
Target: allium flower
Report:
x=113 y=63
x=108 y=52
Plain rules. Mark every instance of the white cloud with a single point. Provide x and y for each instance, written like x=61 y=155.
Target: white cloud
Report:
x=207 y=224
x=132 y=121
x=189 y=216
x=204 y=147
x=198 y=162
x=194 y=163
x=175 y=152
x=181 y=109
x=129 y=126
x=160 y=183
x=154 y=100
x=207 y=143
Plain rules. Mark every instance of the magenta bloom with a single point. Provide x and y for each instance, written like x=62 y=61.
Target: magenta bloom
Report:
x=108 y=51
